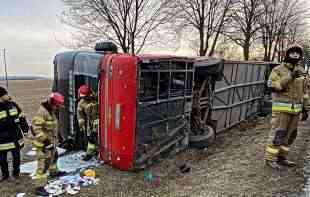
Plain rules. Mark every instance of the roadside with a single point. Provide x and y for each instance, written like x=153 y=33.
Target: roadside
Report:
x=232 y=167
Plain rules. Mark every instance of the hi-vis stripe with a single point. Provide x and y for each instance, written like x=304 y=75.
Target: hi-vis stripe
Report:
x=285 y=149
x=38 y=144
x=3 y=114
x=278 y=106
x=273 y=151
x=13 y=112
x=10 y=145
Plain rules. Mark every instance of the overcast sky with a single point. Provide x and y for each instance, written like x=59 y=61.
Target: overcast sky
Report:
x=28 y=32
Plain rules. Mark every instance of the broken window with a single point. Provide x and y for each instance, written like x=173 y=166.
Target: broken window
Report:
x=163 y=93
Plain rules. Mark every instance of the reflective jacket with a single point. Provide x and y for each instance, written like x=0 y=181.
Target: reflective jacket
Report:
x=11 y=135
x=45 y=126
x=86 y=114
x=288 y=94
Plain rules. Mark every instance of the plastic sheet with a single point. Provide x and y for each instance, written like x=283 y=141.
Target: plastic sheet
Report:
x=69 y=163
x=33 y=152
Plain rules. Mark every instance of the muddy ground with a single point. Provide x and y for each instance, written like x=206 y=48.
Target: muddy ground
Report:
x=232 y=167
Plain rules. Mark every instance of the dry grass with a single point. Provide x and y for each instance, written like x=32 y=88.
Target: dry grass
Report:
x=233 y=166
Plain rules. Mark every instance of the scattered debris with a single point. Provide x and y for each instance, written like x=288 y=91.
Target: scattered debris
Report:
x=151 y=178
x=90 y=173
x=69 y=163
x=70 y=184
x=79 y=170
x=184 y=168
x=20 y=194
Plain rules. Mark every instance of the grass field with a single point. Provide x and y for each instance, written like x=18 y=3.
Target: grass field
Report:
x=232 y=167
x=29 y=94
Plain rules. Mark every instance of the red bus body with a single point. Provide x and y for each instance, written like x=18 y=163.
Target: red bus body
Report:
x=118 y=92
x=118 y=103
x=144 y=103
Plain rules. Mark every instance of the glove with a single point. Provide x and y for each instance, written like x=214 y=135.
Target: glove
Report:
x=304 y=115
x=47 y=145
x=92 y=138
x=296 y=74
x=23 y=124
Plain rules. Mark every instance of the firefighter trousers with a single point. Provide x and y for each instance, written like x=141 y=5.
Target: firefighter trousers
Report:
x=92 y=144
x=283 y=133
x=47 y=162
x=4 y=162
x=92 y=139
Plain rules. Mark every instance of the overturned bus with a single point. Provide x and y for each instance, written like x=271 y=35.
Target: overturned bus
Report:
x=144 y=104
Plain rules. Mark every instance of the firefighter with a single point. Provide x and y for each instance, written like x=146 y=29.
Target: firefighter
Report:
x=12 y=127
x=45 y=140
x=86 y=114
x=289 y=99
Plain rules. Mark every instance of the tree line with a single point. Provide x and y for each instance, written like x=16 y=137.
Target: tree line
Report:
x=204 y=24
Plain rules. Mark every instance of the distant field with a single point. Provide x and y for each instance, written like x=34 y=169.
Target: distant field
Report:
x=233 y=166
x=29 y=93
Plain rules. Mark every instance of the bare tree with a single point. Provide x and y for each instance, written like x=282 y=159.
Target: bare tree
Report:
x=244 y=24
x=207 y=18
x=129 y=23
x=269 y=21
x=282 y=22
x=296 y=25
x=306 y=60
x=273 y=25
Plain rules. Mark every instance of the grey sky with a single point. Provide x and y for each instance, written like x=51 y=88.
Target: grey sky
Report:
x=28 y=31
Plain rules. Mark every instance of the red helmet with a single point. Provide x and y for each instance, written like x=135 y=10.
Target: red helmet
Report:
x=56 y=99
x=84 y=90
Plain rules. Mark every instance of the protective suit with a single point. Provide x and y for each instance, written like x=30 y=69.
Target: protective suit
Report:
x=12 y=126
x=289 y=98
x=87 y=119
x=45 y=140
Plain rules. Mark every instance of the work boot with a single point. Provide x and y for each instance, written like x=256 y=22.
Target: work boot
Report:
x=87 y=157
x=58 y=174
x=16 y=174
x=40 y=191
x=273 y=164
x=284 y=162
x=4 y=178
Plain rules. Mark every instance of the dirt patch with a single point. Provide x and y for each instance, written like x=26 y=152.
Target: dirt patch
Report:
x=232 y=167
